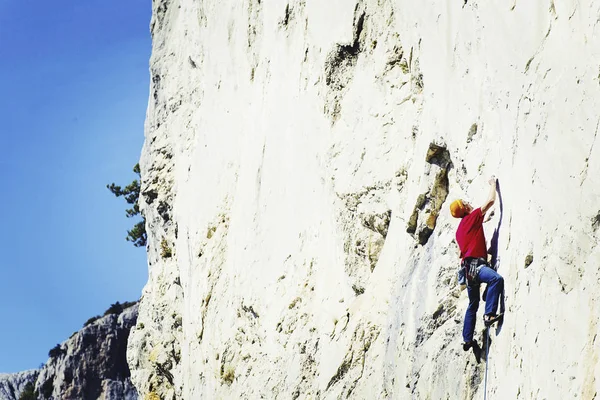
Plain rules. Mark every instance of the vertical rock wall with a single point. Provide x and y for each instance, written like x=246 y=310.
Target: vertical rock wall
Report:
x=299 y=161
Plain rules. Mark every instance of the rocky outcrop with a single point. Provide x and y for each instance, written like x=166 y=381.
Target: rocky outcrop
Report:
x=12 y=385
x=429 y=204
x=91 y=364
x=297 y=169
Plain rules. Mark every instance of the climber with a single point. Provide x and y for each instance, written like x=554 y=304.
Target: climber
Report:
x=474 y=266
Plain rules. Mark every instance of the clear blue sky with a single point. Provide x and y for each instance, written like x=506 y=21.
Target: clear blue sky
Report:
x=73 y=94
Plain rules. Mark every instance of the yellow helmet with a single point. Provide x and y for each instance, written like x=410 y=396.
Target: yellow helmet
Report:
x=457 y=209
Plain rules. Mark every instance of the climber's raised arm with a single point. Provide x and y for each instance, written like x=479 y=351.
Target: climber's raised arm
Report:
x=492 y=196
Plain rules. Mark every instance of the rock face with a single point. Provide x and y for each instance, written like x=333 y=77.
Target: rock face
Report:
x=91 y=364
x=299 y=161
x=12 y=385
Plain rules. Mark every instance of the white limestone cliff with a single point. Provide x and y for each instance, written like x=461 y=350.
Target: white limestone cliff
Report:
x=298 y=166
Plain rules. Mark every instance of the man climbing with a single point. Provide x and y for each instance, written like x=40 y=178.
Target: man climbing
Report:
x=474 y=266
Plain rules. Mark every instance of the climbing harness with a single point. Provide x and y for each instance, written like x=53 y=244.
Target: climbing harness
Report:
x=469 y=269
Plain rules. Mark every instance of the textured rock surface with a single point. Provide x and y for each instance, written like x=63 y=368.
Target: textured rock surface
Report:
x=298 y=166
x=90 y=365
x=12 y=385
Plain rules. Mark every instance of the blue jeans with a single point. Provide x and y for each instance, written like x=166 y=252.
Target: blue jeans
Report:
x=495 y=289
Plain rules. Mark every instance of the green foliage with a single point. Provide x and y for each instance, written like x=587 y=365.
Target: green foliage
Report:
x=47 y=388
x=152 y=396
x=227 y=374
x=165 y=251
x=28 y=393
x=137 y=234
x=116 y=308
x=91 y=320
x=131 y=193
x=404 y=66
x=128 y=304
x=56 y=351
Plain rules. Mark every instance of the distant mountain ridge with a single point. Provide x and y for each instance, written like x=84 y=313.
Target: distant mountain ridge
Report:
x=12 y=385
x=91 y=364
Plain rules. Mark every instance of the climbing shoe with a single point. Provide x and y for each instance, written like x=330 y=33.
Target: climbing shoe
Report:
x=467 y=345
x=490 y=319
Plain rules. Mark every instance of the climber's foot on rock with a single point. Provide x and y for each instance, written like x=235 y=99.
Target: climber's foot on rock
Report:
x=489 y=319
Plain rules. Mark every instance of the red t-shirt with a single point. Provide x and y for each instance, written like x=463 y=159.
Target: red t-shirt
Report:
x=470 y=237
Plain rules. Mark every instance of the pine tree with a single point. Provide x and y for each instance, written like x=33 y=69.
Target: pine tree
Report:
x=131 y=193
x=28 y=393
